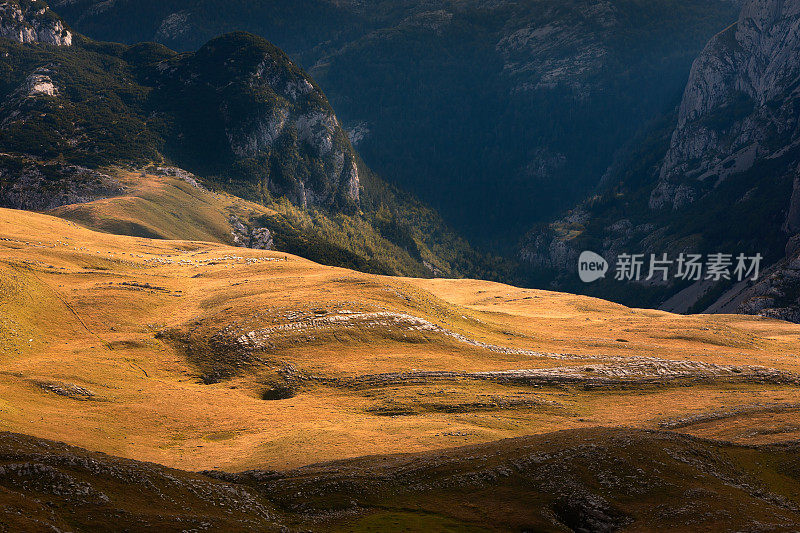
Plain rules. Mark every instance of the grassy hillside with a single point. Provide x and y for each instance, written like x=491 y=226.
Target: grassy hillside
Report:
x=200 y=355
x=157 y=205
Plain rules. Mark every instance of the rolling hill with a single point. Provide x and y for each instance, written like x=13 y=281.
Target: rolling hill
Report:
x=201 y=355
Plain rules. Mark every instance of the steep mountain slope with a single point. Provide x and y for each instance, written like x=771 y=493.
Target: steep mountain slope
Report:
x=499 y=114
x=718 y=177
x=740 y=105
x=239 y=102
x=237 y=113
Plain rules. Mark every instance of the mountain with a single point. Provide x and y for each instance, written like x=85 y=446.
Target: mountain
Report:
x=498 y=114
x=30 y=21
x=237 y=115
x=237 y=103
x=720 y=175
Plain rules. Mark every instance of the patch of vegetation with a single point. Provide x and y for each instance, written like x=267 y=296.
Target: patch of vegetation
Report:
x=279 y=392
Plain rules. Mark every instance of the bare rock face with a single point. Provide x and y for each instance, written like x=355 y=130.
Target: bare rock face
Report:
x=560 y=51
x=274 y=122
x=41 y=83
x=247 y=237
x=740 y=106
x=741 y=109
x=32 y=22
x=36 y=186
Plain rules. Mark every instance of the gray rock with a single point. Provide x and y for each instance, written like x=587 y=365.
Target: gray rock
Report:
x=740 y=105
x=244 y=236
x=32 y=24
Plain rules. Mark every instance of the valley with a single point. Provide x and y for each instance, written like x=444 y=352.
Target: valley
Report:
x=216 y=316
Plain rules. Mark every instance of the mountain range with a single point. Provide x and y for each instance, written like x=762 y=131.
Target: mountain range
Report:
x=535 y=129
x=497 y=114
x=238 y=112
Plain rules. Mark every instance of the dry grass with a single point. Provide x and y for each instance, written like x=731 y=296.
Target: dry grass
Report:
x=132 y=321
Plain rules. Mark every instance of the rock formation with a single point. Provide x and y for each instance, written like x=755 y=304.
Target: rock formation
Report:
x=32 y=22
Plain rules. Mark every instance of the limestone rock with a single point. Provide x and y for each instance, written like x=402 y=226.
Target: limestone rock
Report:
x=32 y=24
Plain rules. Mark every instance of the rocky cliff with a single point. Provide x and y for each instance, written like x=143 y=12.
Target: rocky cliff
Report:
x=31 y=21
x=741 y=111
x=265 y=114
x=741 y=104
x=721 y=174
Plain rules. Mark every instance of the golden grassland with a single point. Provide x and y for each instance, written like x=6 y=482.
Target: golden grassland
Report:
x=162 y=207
x=107 y=342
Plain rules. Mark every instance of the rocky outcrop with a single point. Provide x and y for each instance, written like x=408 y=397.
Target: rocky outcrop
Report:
x=176 y=25
x=32 y=22
x=275 y=123
x=740 y=106
x=37 y=186
x=247 y=237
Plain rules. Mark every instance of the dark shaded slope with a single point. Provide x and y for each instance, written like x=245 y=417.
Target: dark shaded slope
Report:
x=47 y=486
x=584 y=480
